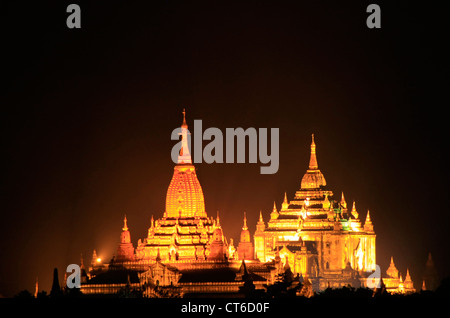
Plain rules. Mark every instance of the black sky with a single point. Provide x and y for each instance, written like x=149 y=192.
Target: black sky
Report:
x=87 y=116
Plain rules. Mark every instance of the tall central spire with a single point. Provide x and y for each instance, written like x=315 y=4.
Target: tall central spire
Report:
x=184 y=157
x=313 y=160
x=185 y=195
x=313 y=178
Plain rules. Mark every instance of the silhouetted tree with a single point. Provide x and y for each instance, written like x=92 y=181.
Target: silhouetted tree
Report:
x=24 y=294
x=42 y=295
x=444 y=288
x=285 y=286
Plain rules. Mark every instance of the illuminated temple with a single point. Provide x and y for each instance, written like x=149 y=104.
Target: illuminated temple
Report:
x=320 y=241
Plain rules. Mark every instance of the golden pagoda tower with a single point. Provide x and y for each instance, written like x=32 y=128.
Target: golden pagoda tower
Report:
x=313 y=178
x=408 y=284
x=185 y=195
x=392 y=271
x=245 y=248
x=319 y=236
x=185 y=231
x=217 y=248
x=125 y=251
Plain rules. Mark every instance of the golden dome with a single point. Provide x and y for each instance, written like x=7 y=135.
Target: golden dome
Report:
x=313 y=179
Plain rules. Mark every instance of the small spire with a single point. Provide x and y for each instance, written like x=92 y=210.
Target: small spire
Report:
x=354 y=212
x=368 y=226
x=184 y=155
x=125 y=227
x=184 y=125
x=408 y=276
x=343 y=202
x=152 y=222
x=245 y=222
x=313 y=159
x=274 y=213
x=368 y=217
x=285 y=203
x=95 y=258
x=392 y=270
x=218 y=219
x=260 y=226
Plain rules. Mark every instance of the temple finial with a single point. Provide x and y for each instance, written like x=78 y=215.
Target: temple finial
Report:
x=218 y=219
x=285 y=203
x=313 y=159
x=184 y=155
x=343 y=202
x=354 y=212
x=184 y=125
x=125 y=227
x=245 y=222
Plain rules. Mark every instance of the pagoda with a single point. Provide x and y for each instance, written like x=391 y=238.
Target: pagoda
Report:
x=185 y=231
x=317 y=234
x=314 y=237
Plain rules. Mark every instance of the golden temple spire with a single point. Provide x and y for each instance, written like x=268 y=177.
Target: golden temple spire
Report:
x=218 y=219
x=285 y=203
x=343 y=202
x=184 y=156
x=354 y=212
x=274 y=213
x=260 y=225
x=184 y=196
x=368 y=226
x=184 y=125
x=313 y=178
x=408 y=277
x=245 y=222
x=313 y=159
x=125 y=227
x=392 y=270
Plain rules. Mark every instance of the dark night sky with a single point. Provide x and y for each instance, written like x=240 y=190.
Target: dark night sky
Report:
x=87 y=116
